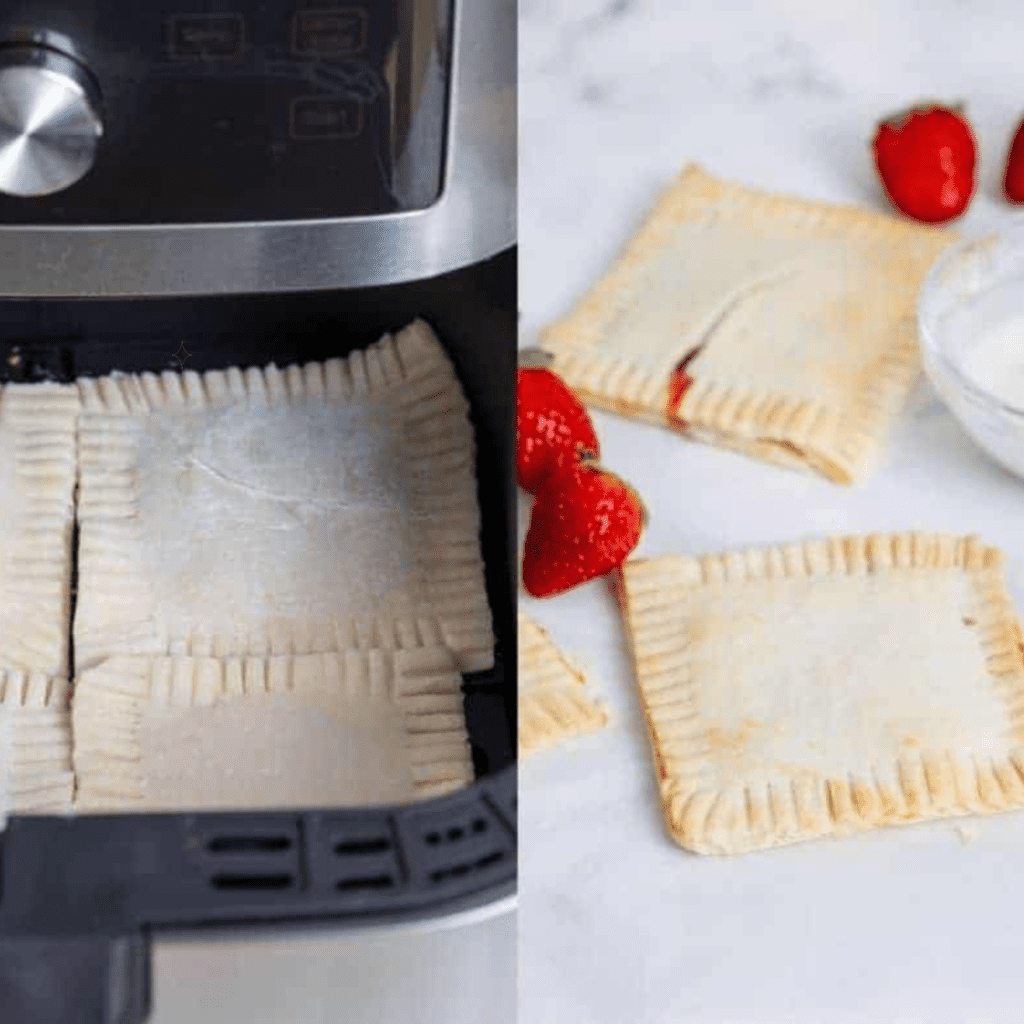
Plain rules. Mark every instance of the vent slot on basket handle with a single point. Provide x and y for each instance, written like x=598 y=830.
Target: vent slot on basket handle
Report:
x=375 y=882
x=457 y=832
x=458 y=870
x=249 y=844
x=255 y=883
x=357 y=847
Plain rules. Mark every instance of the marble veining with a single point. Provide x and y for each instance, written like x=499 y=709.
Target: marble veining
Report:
x=789 y=66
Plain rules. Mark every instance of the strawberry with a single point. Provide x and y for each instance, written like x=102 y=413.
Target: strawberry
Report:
x=584 y=523
x=1013 y=182
x=926 y=158
x=553 y=430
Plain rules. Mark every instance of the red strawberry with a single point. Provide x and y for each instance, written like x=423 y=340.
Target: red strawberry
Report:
x=585 y=523
x=553 y=430
x=1013 y=183
x=926 y=159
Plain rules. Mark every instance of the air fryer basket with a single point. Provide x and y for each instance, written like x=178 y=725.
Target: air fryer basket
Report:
x=79 y=897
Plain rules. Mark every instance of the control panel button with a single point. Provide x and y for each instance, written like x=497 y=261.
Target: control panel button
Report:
x=50 y=121
x=325 y=117
x=331 y=32
x=206 y=36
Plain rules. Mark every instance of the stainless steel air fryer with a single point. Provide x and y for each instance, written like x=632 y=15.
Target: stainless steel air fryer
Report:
x=260 y=182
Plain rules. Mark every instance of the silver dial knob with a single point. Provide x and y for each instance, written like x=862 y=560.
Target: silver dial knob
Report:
x=49 y=121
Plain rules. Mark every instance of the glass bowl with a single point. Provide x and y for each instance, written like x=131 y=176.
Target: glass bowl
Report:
x=974 y=291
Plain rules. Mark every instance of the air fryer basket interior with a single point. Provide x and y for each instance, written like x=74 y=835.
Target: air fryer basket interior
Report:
x=79 y=896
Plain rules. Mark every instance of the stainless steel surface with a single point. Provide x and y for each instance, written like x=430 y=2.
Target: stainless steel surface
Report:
x=49 y=121
x=475 y=217
x=419 y=90
x=457 y=977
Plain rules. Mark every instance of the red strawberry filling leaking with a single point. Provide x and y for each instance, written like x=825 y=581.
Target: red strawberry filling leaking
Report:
x=679 y=383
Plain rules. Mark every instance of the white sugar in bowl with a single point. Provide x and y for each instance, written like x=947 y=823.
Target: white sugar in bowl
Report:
x=971 y=323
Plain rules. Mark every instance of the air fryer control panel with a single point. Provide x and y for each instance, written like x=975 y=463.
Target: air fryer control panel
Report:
x=188 y=112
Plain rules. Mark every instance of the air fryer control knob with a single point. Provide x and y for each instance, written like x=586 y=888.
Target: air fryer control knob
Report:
x=49 y=120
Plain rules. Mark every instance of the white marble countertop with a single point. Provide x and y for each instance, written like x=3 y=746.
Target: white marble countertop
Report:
x=617 y=923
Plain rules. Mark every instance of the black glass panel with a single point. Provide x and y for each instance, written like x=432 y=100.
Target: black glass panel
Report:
x=239 y=111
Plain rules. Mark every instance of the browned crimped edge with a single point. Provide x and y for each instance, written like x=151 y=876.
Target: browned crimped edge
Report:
x=552 y=706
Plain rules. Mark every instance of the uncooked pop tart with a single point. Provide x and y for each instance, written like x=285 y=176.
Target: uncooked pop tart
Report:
x=37 y=483
x=320 y=508
x=36 y=774
x=352 y=729
x=777 y=327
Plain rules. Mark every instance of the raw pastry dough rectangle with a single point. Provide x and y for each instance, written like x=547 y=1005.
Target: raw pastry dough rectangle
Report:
x=37 y=482
x=319 y=508
x=822 y=688
x=35 y=744
x=801 y=315
x=323 y=730
x=552 y=705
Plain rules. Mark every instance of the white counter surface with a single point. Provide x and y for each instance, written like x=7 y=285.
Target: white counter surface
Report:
x=919 y=924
